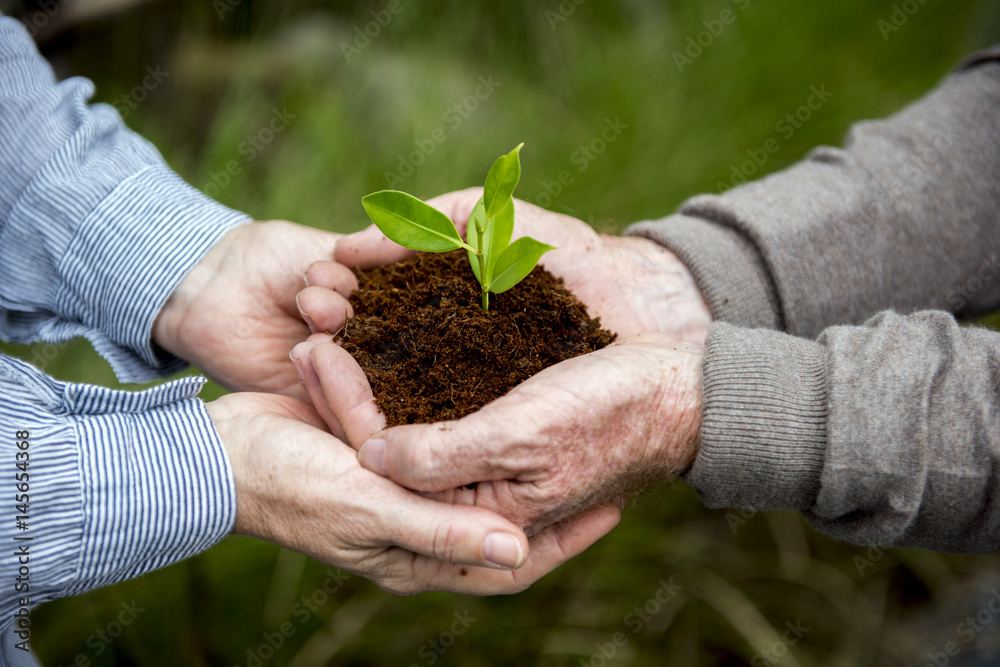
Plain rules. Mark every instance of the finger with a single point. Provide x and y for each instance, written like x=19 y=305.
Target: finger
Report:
x=323 y=309
x=548 y=550
x=314 y=389
x=331 y=275
x=347 y=392
x=570 y=538
x=442 y=456
x=369 y=248
x=458 y=206
x=457 y=534
x=320 y=338
x=295 y=391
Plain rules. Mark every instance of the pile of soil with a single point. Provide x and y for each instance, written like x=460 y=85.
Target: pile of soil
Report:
x=432 y=354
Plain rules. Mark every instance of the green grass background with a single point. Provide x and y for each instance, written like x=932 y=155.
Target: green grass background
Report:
x=742 y=579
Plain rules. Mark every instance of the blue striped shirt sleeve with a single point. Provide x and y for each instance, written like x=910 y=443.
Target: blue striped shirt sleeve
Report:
x=95 y=230
x=113 y=484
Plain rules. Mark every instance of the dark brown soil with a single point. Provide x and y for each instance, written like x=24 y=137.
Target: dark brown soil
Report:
x=432 y=354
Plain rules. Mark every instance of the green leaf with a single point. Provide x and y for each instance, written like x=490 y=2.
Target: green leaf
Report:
x=516 y=262
x=472 y=235
x=410 y=222
x=497 y=237
x=501 y=181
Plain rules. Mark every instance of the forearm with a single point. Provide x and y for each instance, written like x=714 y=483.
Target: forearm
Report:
x=95 y=229
x=887 y=433
x=107 y=485
x=903 y=217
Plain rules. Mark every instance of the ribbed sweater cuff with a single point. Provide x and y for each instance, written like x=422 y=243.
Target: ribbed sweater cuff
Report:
x=764 y=427
x=726 y=266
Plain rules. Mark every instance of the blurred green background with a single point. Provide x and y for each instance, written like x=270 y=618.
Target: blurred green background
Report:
x=558 y=73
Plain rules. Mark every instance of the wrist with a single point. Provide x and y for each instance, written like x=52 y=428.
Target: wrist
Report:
x=168 y=326
x=727 y=267
x=264 y=437
x=657 y=290
x=230 y=427
x=666 y=404
x=681 y=407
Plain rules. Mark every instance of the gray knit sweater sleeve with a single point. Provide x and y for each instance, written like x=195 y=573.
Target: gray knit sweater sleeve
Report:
x=885 y=433
x=903 y=217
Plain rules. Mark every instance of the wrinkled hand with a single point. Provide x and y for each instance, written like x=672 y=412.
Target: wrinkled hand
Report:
x=632 y=284
x=586 y=431
x=300 y=487
x=234 y=315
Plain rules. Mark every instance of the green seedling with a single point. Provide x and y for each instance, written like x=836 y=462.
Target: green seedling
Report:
x=497 y=263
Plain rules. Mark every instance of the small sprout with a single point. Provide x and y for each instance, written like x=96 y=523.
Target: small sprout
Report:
x=497 y=263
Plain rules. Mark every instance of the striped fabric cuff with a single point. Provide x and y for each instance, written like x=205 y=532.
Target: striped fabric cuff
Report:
x=37 y=437
x=157 y=483
x=126 y=259
x=121 y=483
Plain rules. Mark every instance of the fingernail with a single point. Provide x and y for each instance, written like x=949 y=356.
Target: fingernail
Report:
x=372 y=456
x=298 y=368
x=305 y=279
x=503 y=550
x=305 y=316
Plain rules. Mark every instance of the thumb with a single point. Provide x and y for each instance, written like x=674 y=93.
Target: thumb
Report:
x=458 y=206
x=334 y=379
x=369 y=248
x=458 y=534
x=446 y=455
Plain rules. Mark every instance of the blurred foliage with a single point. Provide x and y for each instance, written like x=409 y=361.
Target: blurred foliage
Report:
x=233 y=64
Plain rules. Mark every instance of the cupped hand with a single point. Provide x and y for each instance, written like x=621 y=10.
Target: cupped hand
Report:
x=235 y=314
x=298 y=486
x=632 y=284
x=586 y=431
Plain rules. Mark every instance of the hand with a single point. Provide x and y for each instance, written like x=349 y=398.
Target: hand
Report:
x=300 y=487
x=632 y=284
x=234 y=315
x=586 y=431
